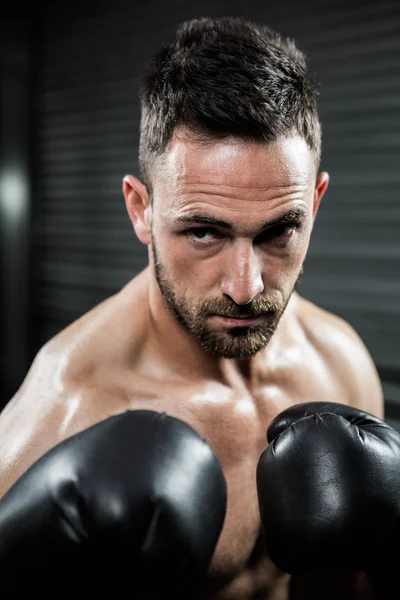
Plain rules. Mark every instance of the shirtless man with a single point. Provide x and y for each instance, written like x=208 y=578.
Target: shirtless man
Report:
x=213 y=331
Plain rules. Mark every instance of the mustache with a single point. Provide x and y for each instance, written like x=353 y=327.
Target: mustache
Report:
x=228 y=308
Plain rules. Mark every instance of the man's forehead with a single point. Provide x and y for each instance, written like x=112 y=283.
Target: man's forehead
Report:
x=191 y=164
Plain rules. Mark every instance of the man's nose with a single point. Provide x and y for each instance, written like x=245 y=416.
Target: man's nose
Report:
x=242 y=280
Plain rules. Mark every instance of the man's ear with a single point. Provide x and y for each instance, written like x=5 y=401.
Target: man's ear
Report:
x=321 y=185
x=138 y=205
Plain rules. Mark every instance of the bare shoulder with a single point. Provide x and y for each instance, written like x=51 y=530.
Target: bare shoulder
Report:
x=345 y=354
x=52 y=404
x=75 y=381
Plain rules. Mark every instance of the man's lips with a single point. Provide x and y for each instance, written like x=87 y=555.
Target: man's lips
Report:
x=240 y=321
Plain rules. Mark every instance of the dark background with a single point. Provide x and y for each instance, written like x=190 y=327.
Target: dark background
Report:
x=69 y=125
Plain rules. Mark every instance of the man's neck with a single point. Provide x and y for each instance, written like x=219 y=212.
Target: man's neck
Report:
x=176 y=355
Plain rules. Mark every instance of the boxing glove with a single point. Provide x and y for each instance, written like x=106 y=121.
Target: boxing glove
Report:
x=134 y=503
x=329 y=492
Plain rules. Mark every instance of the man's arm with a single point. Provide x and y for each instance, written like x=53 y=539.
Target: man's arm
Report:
x=47 y=409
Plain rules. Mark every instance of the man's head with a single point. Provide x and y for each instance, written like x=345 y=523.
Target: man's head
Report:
x=229 y=153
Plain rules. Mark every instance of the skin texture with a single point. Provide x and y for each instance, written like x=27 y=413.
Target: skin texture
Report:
x=161 y=348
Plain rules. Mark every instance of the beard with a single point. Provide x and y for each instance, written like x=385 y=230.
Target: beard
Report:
x=229 y=342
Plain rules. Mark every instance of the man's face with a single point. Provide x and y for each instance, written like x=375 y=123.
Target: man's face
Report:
x=231 y=224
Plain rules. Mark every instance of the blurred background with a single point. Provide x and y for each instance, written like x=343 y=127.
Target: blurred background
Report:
x=69 y=130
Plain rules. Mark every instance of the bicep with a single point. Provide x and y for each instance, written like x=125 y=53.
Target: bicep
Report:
x=33 y=424
x=23 y=439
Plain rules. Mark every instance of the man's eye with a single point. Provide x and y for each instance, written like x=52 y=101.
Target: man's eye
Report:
x=203 y=234
x=280 y=231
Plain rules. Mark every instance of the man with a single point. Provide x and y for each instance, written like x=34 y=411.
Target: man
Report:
x=212 y=332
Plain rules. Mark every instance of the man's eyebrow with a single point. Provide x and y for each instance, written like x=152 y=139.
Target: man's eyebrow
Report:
x=294 y=215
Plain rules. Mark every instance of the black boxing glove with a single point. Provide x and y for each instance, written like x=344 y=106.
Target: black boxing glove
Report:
x=134 y=505
x=329 y=493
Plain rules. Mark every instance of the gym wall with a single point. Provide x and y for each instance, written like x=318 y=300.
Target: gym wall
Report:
x=84 y=122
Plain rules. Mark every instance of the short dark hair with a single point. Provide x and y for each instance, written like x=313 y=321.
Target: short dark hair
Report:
x=226 y=77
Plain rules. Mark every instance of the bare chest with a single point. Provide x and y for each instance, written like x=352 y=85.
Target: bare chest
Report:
x=235 y=425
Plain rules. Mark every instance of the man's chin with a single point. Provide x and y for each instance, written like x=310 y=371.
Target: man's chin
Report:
x=237 y=353
x=234 y=348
